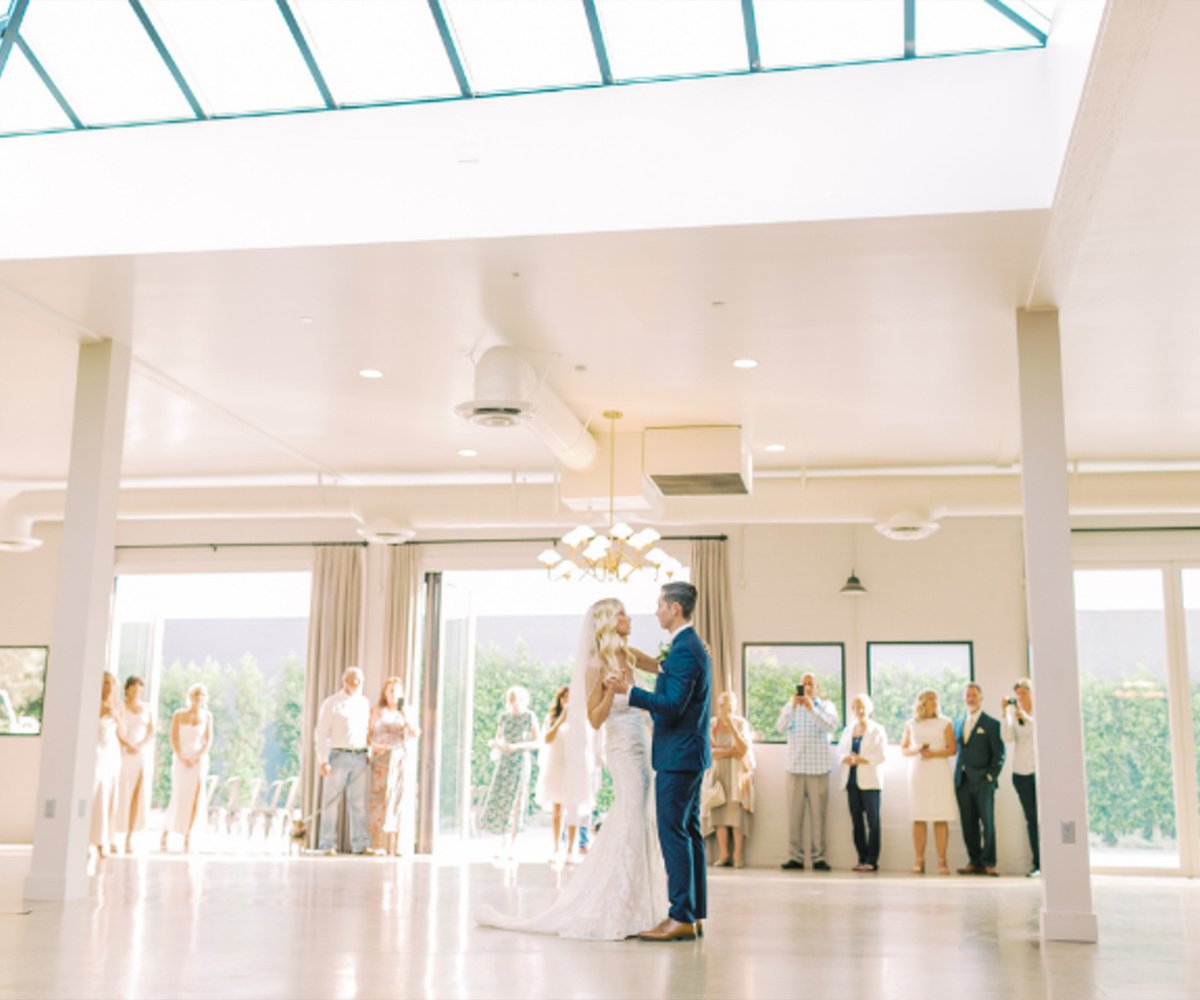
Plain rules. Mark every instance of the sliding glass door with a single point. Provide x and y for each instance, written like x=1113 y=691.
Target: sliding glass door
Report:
x=1138 y=631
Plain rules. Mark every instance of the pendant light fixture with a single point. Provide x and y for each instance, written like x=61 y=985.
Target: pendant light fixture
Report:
x=619 y=553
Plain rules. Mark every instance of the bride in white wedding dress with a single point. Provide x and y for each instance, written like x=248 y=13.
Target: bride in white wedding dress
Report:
x=620 y=889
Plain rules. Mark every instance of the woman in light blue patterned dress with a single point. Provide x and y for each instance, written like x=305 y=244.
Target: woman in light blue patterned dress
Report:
x=517 y=736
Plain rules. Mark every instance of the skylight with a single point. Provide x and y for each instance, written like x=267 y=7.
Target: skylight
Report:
x=81 y=64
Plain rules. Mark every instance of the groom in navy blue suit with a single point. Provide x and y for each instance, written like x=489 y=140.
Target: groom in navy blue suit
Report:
x=680 y=755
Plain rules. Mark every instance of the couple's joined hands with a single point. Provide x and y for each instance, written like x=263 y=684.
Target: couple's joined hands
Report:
x=618 y=683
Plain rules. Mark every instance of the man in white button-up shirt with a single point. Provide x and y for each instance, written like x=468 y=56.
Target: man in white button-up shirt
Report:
x=341 y=739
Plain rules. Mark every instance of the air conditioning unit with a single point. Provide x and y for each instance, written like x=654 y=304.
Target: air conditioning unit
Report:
x=696 y=461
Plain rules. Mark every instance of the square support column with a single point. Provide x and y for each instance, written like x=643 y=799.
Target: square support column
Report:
x=1067 y=913
x=79 y=638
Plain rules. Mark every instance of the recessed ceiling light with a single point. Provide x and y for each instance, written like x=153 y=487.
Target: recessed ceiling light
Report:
x=776 y=447
x=371 y=373
x=306 y=320
x=467 y=453
x=745 y=363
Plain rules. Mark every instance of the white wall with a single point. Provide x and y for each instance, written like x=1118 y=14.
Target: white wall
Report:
x=27 y=590
x=963 y=583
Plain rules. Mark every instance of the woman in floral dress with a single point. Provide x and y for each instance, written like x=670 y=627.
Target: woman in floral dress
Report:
x=517 y=736
x=388 y=735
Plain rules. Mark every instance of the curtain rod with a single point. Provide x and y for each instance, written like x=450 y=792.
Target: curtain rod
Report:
x=242 y=545
x=1117 y=531
x=541 y=540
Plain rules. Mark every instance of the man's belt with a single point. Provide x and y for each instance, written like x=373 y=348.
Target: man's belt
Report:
x=348 y=750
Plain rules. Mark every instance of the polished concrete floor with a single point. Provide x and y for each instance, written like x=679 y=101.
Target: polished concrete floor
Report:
x=212 y=926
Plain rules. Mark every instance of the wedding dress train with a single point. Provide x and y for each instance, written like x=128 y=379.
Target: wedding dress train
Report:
x=621 y=887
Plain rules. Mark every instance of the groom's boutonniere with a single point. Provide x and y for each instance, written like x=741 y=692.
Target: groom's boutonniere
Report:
x=664 y=649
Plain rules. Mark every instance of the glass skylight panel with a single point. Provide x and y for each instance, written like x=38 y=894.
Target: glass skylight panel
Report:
x=1042 y=11
x=102 y=61
x=523 y=44
x=370 y=51
x=238 y=56
x=650 y=38
x=818 y=32
x=965 y=26
x=25 y=103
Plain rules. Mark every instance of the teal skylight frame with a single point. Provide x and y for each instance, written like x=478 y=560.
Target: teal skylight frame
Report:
x=1021 y=14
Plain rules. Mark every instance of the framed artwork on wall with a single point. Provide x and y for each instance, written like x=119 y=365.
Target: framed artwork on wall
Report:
x=22 y=689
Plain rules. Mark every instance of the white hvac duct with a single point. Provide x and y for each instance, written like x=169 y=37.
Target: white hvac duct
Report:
x=508 y=392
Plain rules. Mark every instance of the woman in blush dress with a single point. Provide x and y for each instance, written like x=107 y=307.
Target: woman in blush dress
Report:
x=191 y=739
x=388 y=734
x=108 y=769
x=732 y=772
x=137 y=749
x=621 y=887
x=929 y=741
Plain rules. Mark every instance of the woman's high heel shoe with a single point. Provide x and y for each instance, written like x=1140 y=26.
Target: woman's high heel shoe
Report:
x=943 y=868
x=919 y=867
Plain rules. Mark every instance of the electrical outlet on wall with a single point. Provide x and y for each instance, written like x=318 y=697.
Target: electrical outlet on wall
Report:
x=1068 y=832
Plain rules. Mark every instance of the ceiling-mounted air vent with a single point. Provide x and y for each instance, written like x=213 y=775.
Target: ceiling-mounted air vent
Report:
x=907 y=527
x=489 y=414
x=696 y=461
x=507 y=393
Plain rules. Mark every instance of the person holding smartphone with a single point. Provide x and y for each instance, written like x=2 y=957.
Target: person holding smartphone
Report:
x=808 y=721
x=1016 y=727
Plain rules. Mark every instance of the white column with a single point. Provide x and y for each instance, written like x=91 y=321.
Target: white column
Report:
x=1062 y=805
x=79 y=637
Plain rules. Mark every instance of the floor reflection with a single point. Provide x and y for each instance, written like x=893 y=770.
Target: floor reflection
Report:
x=366 y=927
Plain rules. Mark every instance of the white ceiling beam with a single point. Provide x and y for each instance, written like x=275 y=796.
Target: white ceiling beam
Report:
x=1126 y=39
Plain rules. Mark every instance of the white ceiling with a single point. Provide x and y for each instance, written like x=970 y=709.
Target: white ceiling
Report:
x=885 y=342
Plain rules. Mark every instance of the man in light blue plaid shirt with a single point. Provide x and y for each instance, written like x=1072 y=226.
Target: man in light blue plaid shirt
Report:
x=809 y=722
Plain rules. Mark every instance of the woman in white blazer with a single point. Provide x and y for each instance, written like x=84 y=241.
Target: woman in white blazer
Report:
x=862 y=752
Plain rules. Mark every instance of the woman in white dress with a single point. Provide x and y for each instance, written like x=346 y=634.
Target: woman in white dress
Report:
x=553 y=788
x=929 y=741
x=191 y=739
x=108 y=768
x=137 y=751
x=620 y=889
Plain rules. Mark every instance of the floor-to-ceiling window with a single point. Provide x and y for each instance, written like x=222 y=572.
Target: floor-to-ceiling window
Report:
x=501 y=628
x=1137 y=632
x=242 y=635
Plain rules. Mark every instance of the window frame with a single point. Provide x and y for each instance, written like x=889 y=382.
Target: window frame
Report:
x=969 y=643
x=780 y=739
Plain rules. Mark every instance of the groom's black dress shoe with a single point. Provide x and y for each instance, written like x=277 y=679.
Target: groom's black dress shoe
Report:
x=790 y=866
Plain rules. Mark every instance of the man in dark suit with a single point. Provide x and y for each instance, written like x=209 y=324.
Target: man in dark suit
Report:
x=680 y=755
x=976 y=771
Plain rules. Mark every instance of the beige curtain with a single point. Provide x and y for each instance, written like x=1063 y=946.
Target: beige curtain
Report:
x=713 y=619
x=334 y=641
x=400 y=625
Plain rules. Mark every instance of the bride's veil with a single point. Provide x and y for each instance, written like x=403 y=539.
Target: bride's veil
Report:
x=582 y=750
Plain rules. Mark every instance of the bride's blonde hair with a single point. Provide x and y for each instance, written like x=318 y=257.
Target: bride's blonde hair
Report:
x=610 y=648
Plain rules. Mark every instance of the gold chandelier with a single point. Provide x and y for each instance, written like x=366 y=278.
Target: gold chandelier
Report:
x=619 y=553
